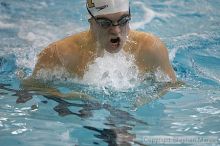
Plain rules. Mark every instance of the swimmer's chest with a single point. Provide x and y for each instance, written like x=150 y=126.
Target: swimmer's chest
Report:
x=88 y=59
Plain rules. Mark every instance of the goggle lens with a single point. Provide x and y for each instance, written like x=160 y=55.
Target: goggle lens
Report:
x=105 y=23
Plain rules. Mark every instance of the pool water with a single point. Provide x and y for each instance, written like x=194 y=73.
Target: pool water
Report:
x=122 y=113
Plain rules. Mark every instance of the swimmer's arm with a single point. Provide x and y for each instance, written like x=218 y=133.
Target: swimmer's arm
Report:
x=163 y=61
x=64 y=54
x=45 y=89
x=156 y=54
x=160 y=91
x=47 y=59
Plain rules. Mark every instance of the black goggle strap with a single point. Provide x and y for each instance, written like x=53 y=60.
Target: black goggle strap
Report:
x=125 y=17
x=90 y=13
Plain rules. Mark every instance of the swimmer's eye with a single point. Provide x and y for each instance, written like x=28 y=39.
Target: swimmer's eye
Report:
x=105 y=23
x=124 y=20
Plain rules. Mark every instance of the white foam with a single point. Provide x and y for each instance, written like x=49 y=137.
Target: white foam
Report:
x=114 y=70
x=160 y=76
x=19 y=131
x=25 y=57
x=57 y=73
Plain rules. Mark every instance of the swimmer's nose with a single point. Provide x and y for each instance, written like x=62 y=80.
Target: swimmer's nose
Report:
x=115 y=30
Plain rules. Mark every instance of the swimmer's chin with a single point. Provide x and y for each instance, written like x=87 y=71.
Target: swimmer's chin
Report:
x=113 y=48
x=113 y=51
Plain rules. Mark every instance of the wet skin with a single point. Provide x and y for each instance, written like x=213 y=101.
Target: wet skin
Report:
x=76 y=52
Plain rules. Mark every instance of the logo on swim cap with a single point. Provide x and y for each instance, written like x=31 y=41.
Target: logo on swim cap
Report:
x=101 y=7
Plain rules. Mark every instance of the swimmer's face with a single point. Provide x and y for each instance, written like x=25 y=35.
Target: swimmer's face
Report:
x=111 y=30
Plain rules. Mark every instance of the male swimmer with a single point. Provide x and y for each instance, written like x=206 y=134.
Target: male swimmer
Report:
x=109 y=31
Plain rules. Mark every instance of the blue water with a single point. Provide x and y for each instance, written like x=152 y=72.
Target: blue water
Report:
x=191 y=32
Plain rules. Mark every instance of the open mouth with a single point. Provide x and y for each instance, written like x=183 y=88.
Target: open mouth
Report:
x=115 y=42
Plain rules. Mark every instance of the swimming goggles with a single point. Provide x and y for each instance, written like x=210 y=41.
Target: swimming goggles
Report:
x=106 y=23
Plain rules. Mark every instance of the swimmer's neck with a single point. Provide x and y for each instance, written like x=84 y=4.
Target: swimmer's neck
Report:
x=96 y=47
x=99 y=51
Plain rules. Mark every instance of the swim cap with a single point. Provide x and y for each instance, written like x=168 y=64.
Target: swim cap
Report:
x=101 y=7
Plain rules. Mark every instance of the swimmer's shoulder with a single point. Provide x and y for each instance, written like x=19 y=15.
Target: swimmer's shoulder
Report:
x=71 y=45
x=142 y=37
x=74 y=41
x=64 y=52
x=153 y=53
x=144 y=41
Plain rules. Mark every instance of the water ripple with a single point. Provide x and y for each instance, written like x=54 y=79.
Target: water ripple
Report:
x=19 y=131
x=208 y=110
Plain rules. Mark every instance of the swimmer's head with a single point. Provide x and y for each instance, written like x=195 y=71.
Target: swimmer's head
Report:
x=102 y=7
x=109 y=23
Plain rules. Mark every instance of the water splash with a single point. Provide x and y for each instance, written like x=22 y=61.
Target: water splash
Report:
x=113 y=70
x=55 y=74
x=108 y=73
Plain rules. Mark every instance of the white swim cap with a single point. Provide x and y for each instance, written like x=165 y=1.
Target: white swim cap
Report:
x=101 y=7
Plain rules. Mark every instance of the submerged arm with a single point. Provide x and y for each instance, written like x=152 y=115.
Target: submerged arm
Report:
x=46 y=89
x=47 y=59
x=163 y=61
x=160 y=91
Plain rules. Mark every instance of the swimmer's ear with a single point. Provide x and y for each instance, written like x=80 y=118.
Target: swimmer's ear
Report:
x=90 y=20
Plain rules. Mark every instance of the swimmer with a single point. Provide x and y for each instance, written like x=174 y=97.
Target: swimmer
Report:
x=109 y=31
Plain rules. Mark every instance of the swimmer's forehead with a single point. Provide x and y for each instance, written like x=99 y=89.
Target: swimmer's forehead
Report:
x=102 y=7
